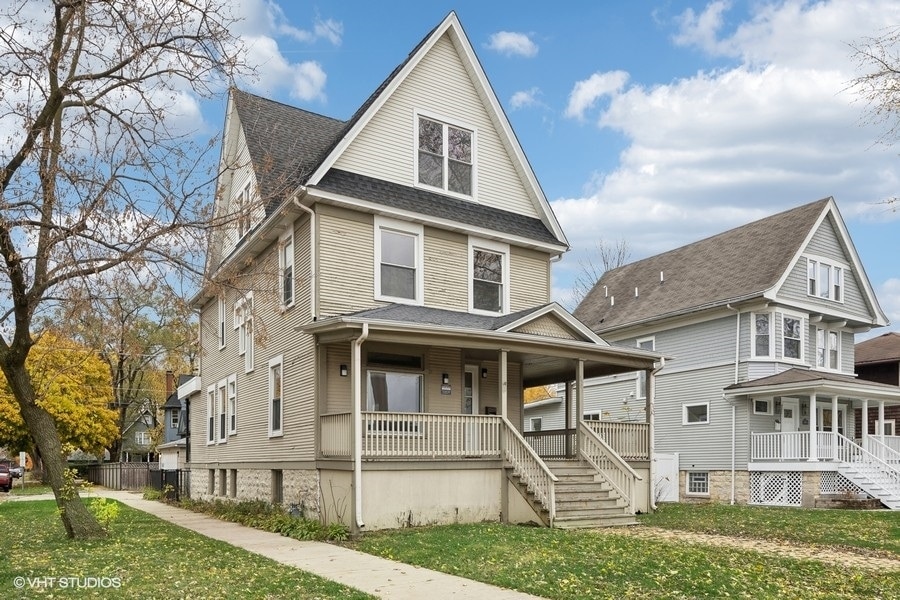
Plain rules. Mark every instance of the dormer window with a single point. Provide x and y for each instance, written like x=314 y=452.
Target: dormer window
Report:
x=445 y=156
x=825 y=280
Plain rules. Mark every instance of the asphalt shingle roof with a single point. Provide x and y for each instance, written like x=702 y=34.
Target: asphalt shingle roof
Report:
x=435 y=205
x=739 y=263
x=884 y=348
x=792 y=376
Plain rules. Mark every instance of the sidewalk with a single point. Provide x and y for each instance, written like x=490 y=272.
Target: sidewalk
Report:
x=371 y=574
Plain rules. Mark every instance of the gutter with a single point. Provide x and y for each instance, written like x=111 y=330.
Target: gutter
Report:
x=737 y=357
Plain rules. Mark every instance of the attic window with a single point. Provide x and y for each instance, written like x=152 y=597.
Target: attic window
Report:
x=445 y=156
x=825 y=280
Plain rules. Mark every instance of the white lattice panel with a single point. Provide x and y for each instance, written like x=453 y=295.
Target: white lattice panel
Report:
x=780 y=488
x=835 y=483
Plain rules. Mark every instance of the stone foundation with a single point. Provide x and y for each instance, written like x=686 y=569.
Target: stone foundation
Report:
x=300 y=487
x=719 y=487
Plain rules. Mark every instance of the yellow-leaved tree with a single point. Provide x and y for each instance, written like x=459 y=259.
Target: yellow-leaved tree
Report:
x=73 y=385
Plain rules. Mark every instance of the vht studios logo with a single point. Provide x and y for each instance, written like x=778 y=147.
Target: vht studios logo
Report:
x=67 y=582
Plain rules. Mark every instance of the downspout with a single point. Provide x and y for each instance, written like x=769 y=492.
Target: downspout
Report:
x=651 y=428
x=313 y=308
x=357 y=422
x=737 y=358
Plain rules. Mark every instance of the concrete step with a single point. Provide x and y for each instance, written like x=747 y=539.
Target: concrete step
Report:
x=613 y=511
x=592 y=523
x=589 y=496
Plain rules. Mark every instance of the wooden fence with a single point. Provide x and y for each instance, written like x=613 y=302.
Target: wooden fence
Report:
x=122 y=476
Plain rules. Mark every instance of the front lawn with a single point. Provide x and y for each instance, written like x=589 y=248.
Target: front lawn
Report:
x=587 y=564
x=144 y=557
x=853 y=530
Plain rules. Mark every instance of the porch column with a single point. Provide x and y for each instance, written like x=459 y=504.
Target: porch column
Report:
x=579 y=402
x=880 y=431
x=356 y=428
x=864 y=425
x=567 y=425
x=504 y=412
x=813 y=425
x=834 y=426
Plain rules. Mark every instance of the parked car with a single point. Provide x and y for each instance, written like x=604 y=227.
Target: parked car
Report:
x=17 y=472
x=5 y=479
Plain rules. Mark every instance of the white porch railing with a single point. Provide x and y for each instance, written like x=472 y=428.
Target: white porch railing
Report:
x=530 y=469
x=602 y=457
x=866 y=463
x=631 y=441
x=883 y=452
x=412 y=435
x=793 y=446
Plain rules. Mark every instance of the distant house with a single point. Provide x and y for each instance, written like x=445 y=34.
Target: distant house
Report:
x=174 y=450
x=378 y=304
x=137 y=435
x=758 y=402
x=878 y=359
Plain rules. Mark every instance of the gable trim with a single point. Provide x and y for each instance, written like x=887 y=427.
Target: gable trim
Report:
x=556 y=310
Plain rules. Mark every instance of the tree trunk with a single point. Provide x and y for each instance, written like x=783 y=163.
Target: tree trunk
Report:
x=77 y=519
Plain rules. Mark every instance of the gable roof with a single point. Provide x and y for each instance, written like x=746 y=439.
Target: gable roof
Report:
x=743 y=263
x=881 y=349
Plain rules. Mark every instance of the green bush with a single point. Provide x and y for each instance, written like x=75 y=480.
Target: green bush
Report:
x=268 y=517
x=151 y=494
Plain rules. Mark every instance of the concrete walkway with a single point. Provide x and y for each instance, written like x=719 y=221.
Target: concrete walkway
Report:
x=377 y=576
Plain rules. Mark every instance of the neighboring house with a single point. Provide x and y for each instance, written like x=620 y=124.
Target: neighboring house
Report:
x=757 y=404
x=137 y=436
x=173 y=451
x=878 y=359
x=379 y=301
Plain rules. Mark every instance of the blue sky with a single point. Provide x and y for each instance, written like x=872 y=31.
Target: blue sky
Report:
x=654 y=122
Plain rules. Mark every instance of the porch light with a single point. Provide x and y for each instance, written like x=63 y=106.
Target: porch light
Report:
x=343 y=370
x=445 y=379
x=484 y=373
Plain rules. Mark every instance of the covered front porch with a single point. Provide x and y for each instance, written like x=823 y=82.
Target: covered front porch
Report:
x=411 y=398
x=804 y=421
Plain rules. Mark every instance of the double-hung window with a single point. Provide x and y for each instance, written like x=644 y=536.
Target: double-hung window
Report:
x=792 y=337
x=445 y=156
x=762 y=335
x=222 y=409
x=398 y=261
x=488 y=276
x=221 y=332
x=286 y=268
x=232 y=405
x=173 y=419
x=243 y=323
x=211 y=414
x=825 y=279
x=276 y=396
x=828 y=349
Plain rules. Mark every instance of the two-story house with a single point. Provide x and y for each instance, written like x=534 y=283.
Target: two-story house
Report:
x=757 y=402
x=878 y=359
x=379 y=299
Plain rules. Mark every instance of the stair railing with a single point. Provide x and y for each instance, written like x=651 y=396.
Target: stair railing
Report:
x=530 y=469
x=613 y=467
x=868 y=464
x=883 y=451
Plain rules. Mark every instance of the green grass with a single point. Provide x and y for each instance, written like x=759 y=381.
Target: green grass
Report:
x=584 y=564
x=31 y=488
x=151 y=558
x=846 y=529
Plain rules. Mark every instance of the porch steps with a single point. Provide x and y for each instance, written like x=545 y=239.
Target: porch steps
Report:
x=875 y=484
x=584 y=502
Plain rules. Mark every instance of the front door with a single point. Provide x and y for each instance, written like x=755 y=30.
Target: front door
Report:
x=470 y=407
x=791 y=444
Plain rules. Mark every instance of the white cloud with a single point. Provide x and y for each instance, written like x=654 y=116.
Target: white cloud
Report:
x=888 y=294
x=524 y=98
x=511 y=43
x=305 y=81
x=718 y=149
x=587 y=92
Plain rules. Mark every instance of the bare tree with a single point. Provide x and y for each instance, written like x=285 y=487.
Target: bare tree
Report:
x=93 y=173
x=604 y=257
x=878 y=61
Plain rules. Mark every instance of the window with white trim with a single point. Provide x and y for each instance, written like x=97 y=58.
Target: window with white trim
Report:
x=173 y=418
x=221 y=410
x=398 y=261
x=697 y=483
x=828 y=349
x=243 y=323
x=761 y=346
x=142 y=438
x=825 y=279
x=537 y=423
x=276 y=396
x=211 y=414
x=648 y=343
x=221 y=331
x=232 y=405
x=445 y=156
x=243 y=209
x=791 y=337
x=762 y=406
x=591 y=416
x=889 y=427
x=488 y=277
x=695 y=414
x=286 y=268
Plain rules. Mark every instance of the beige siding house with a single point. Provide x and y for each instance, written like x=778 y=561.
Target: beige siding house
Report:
x=378 y=301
